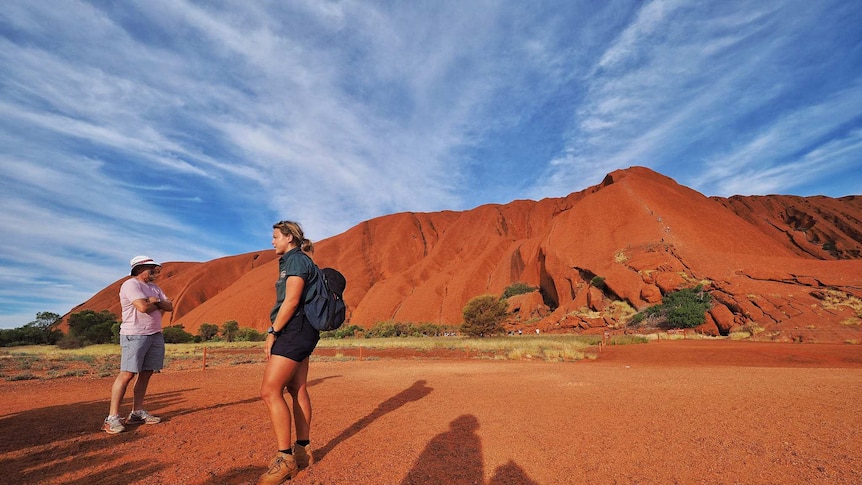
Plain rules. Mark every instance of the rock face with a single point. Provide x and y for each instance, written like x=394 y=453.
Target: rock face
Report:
x=791 y=266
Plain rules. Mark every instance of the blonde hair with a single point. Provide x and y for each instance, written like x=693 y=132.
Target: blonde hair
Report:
x=290 y=228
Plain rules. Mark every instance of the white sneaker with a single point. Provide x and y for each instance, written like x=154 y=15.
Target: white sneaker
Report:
x=113 y=425
x=142 y=417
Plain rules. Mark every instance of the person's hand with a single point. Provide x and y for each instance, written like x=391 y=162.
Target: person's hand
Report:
x=267 y=346
x=153 y=299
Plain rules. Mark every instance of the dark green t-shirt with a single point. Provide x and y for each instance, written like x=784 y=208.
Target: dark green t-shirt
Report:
x=291 y=263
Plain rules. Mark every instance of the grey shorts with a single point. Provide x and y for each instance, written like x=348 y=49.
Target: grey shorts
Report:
x=142 y=352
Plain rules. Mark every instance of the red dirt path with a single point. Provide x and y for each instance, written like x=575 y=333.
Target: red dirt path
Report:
x=666 y=412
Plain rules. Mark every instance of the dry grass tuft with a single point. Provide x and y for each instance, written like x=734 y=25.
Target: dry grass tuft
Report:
x=834 y=299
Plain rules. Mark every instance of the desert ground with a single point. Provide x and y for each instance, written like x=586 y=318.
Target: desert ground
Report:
x=712 y=412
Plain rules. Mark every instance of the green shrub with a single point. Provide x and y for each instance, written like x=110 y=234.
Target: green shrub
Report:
x=229 y=330
x=484 y=315
x=245 y=334
x=598 y=282
x=685 y=308
x=176 y=334
x=92 y=327
x=207 y=331
x=347 y=331
x=398 y=329
x=518 y=288
x=70 y=342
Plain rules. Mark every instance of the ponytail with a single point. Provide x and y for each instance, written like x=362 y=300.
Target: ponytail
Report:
x=290 y=228
x=307 y=247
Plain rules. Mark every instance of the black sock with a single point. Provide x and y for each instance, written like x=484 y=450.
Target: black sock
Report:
x=303 y=442
x=286 y=452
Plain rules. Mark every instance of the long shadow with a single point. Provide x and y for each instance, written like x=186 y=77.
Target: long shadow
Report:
x=62 y=439
x=126 y=472
x=183 y=412
x=67 y=439
x=59 y=422
x=321 y=380
x=511 y=473
x=82 y=446
x=455 y=457
x=250 y=400
x=413 y=393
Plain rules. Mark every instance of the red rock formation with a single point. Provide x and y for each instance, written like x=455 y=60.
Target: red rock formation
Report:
x=788 y=265
x=817 y=227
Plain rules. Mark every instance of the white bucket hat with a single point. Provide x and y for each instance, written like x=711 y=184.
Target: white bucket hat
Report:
x=142 y=261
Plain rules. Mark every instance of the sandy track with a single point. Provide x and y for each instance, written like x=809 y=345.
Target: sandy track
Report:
x=669 y=412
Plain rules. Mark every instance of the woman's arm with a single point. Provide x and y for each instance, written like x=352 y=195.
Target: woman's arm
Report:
x=292 y=293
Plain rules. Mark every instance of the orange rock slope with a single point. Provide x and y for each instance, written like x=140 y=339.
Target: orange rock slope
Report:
x=789 y=266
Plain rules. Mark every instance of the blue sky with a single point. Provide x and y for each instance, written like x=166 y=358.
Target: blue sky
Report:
x=183 y=130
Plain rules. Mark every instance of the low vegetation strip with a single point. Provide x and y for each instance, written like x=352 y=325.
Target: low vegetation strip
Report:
x=50 y=362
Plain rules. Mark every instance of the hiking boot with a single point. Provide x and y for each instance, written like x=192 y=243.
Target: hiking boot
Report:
x=113 y=425
x=142 y=417
x=302 y=455
x=281 y=468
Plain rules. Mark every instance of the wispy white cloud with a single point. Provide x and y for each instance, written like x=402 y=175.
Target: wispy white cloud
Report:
x=684 y=80
x=770 y=154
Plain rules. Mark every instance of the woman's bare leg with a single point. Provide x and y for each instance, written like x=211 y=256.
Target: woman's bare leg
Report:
x=278 y=373
x=298 y=389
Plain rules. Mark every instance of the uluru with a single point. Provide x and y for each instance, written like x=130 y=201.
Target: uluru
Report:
x=789 y=265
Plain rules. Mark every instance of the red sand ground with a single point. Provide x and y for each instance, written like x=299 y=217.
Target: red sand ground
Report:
x=666 y=412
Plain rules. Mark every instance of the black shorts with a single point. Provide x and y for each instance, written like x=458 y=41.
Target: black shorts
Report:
x=297 y=340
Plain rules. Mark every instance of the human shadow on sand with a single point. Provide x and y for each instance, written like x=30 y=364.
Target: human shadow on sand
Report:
x=43 y=425
x=455 y=457
x=46 y=443
x=413 y=393
x=250 y=400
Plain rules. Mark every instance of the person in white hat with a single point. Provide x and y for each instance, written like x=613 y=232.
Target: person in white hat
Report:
x=141 y=342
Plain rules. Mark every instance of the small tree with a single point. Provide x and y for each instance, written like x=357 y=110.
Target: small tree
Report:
x=229 y=330
x=207 y=331
x=484 y=315
x=46 y=324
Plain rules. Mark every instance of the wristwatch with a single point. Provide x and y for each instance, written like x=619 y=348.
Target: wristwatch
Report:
x=271 y=331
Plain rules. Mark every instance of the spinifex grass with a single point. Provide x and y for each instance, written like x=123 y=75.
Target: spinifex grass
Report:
x=552 y=348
